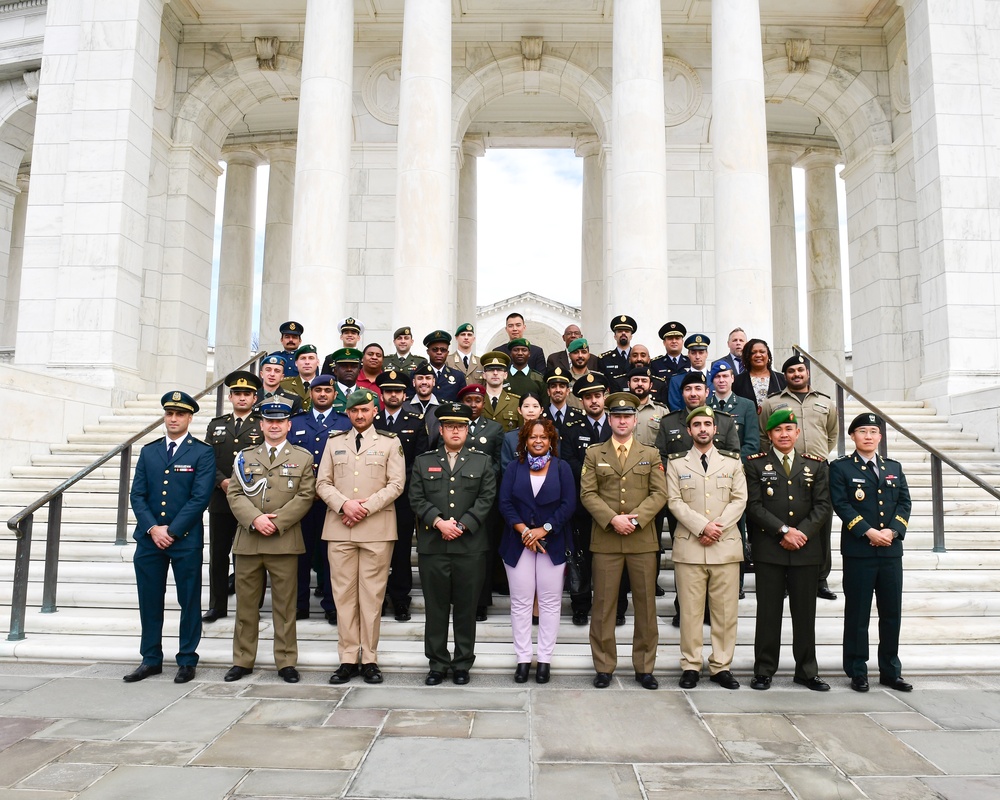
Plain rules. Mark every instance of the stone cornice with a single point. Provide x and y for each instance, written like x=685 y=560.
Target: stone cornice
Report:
x=528 y=298
x=21 y=6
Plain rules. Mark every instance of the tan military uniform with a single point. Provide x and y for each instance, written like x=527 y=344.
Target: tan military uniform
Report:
x=606 y=490
x=648 y=424
x=289 y=493
x=506 y=412
x=359 y=555
x=474 y=373
x=697 y=497
x=816 y=414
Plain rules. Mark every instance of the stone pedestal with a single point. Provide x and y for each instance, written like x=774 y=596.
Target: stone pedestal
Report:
x=468 y=197
x=593 y=320
x=322 y=167
x=638 y=268
x=784 y=256
x=278 y=231
x=739 y=163
x=234 y=307
x=422 y=264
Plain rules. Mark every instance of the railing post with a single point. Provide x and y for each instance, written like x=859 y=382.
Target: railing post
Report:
x=124 y=469
x=52 y=555
x=19 y=591
x=218 y=401
x=937 y=504
x=841 y=427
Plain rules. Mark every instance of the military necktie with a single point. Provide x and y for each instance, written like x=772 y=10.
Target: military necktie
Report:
x=357 y=439
x=597 y=431
x=704 y=461
x=786 y=465
x=622 y=455
x=874 y=467
x=273 y=452
x=170 y=450
x=239 y=424
x=493 y=400
x=466 y=360
x=559 y=418
x=320 y=418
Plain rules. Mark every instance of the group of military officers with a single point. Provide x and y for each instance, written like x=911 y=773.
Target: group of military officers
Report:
x=374 y=448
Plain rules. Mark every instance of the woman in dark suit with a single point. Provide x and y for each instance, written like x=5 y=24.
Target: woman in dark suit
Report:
x=758 y=380
x=537 y=499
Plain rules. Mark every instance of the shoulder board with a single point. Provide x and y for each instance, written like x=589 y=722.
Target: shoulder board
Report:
x=594 y=444
x=823 y=394
x=509 y=395
x=654 y=404
x=607 y=352
x=390 y=434
x=223 y=418
x=681 y=454
x=338 y=433
x=810 y=457
x=757 y=455
x=842 y=458
x=729 y=454
x=253 y=448
x=720 y=413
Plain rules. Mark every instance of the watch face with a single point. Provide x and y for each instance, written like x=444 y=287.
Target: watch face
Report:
x=547 y=527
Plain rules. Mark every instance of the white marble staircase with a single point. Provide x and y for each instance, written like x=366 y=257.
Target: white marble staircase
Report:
x=951 y=600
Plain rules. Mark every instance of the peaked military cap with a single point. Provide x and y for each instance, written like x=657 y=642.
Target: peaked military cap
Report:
x=437 y=336
x=493 y=359
x=622 y=403
x=557 y=375
x=291 y=327
x=391 y=379
x=624 y=321
x=243 y=380
x=346 y=355
x=179 y=401
x=453 y=412
x=592 y=381
x=697 y=341
x=672 y=329
x=351 y=324
x=275 y=408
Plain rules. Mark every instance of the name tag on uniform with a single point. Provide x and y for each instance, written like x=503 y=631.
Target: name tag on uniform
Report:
x=183 y=468
x=299 y=433
x=434 y=469
x=340 y=452
x=602 y=464
x=858 y=480
x=221 y=429
x=684 y=477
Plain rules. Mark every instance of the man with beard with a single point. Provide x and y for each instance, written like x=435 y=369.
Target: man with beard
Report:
x=561 y=358
x=818 y=423
x=697 y=347
x=409 y=427
x=499 y=404
x=615 y=362
x=424 y=401
x=291 y=338
x=447 y=380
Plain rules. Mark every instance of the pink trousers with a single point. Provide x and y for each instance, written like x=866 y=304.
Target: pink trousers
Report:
x=535 y=573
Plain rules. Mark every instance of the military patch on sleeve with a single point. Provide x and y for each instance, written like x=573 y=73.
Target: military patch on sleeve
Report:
x=905 y=523
x=660 y=467
x=583 y=470
x=854 y=522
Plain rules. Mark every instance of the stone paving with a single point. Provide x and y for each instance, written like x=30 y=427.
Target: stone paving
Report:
x=79 y=732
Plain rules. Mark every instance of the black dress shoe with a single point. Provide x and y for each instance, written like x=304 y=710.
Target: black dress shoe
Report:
x=603 y=680
x=300 y=614
x=371 y=673
x=460 y=677
x=896 y=683
x=619 y=620
x=743 y=595
x=232 y=583
x=331 y=617
x=184 y=673
x=434 y=678
x=675 y=620
x=659 y=591
x=142 y=672
x=859 y=683
x=235 y=673
x=318 y=591
x=761 y=682
x=689 y=679
x=646 y=680
x=402 y=613
x=481 y=614
x=579 y=618
x=289 y=674
x=344 y=673
x=521 y=673
x=542 y=672
x=725 y=679
x=814 y=684
x=824 y=593
x=534 y=620
x=212 y=615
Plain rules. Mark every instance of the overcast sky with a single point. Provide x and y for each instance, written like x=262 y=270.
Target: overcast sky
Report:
x=528 y=224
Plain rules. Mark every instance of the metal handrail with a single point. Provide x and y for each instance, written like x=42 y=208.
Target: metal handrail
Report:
x=21 y=522
x=937 y=457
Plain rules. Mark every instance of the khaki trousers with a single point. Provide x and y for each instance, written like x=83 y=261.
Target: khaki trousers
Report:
x=721 y=582
x=607 y=575
x=250 y=572
x=358 y=575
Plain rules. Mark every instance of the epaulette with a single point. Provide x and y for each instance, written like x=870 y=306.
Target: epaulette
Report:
x=812 y=457
x=756 y=455
x=338 y=433
x=681 y=454
x=730 y=454
x=575 y=421
x=608 y=352
x=720 y=413
x=842 y=458
x=390 y=434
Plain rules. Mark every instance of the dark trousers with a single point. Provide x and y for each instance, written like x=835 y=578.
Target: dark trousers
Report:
x=864 y=577
x=494 y=530
x=827 y=534
x=771 y=582
x=400 y=582
x=184 y=557
x=451 y=583
x=221 y=532
x=582 y=601
x=312 y=536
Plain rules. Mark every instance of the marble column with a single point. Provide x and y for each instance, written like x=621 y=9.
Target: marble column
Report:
x=638 y=268
x=233 y=316
x=784 y=252
x=318 y=281
x=593 y=310
x=13 y=295
x=825 y=298
x=278 y=232
x=468 y=198
x=8 y=202
x=422 y=264
x=739 y=171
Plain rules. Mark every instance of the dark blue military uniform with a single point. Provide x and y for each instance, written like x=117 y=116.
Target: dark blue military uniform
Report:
x=448 y=382
x=173 y=492
x=863 y=502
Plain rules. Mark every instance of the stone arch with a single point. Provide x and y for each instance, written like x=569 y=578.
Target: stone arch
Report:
x=215 y=103
x=557 y=76
x=840 y=97
x=17 y=128
x=546 y=320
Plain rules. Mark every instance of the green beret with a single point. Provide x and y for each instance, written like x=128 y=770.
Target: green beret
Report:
x=518 y=343
x=700 y=411
x=780 y=417
x=306 y=348
x=465 y=327
x=577 y=344
x=359 y=397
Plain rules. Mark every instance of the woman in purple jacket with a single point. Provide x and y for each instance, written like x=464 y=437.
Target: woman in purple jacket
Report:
x=537 y=499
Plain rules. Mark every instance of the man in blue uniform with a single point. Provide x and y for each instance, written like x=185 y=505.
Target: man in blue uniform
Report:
x=448 y=381
x=673 y=360
x=871 y=498
x=697 y=347
x=173 y=484
x=615 y=362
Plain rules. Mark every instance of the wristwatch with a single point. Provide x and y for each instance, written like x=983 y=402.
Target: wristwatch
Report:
x=784 y=529
x=547 y=527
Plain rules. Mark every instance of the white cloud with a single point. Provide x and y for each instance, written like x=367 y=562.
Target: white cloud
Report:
x=529 y=224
